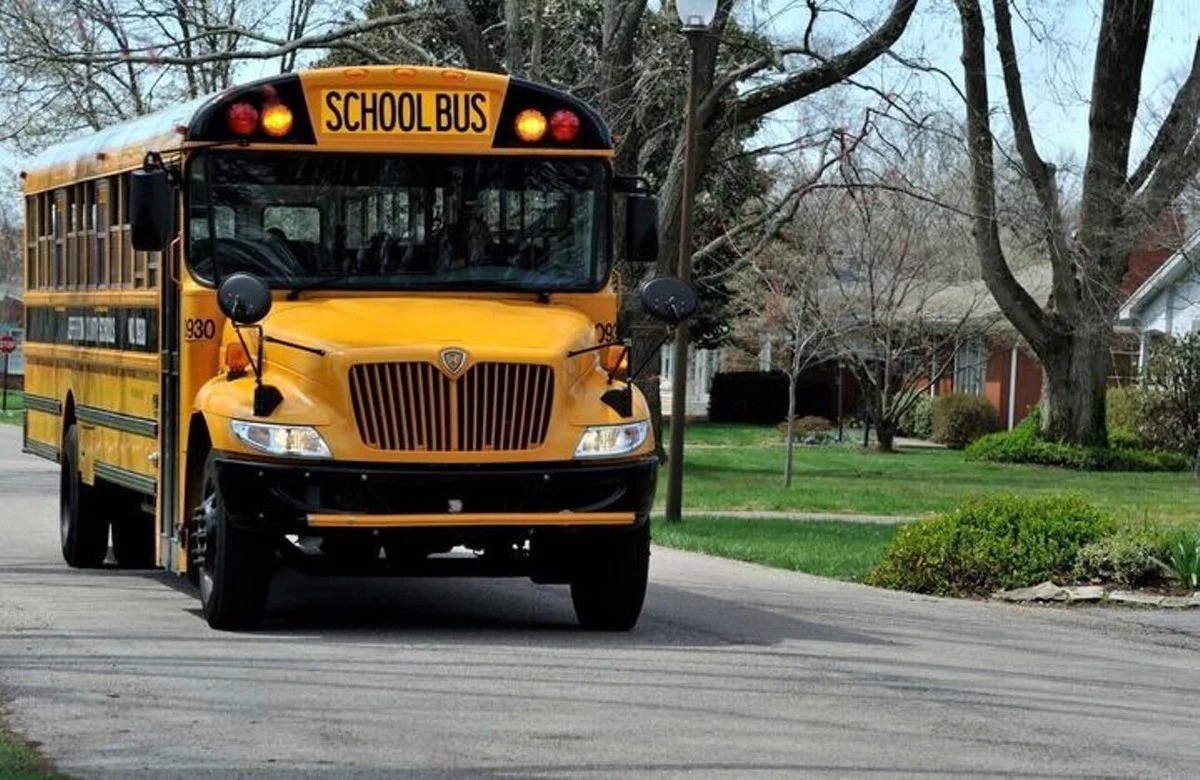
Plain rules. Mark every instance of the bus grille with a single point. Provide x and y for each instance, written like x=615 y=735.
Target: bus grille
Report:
x=413 y=406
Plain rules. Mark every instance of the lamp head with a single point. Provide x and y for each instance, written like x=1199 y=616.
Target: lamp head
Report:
x=696 y=14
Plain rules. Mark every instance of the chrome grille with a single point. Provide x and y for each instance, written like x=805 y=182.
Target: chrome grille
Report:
x=413 y=406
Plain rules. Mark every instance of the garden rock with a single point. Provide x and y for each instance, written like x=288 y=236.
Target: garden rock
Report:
x=1176 y=602
x=1085 y=593
x=1130 y=597
x=1046 y=591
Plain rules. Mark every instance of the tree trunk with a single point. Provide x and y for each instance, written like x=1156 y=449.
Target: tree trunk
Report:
x=1075 y=379
x=791 y=429
x=885 y=434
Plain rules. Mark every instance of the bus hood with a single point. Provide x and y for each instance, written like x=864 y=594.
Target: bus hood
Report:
x=377 y=325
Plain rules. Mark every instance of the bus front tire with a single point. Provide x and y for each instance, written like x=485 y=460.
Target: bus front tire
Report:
x=609 y=592
x=235 y=566
x=82 y=533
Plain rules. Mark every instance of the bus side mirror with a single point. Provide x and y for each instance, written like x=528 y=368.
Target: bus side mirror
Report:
x=151 y=210
x=244 y=298
x=669 y=299
x=641 y=227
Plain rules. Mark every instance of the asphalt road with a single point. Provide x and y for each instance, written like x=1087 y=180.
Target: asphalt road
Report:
x=734 y=670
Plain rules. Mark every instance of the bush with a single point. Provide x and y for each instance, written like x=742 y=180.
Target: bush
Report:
x=748 y=397
x=808 y=430
x=917 y=420
x=1120 y=408
x=961 y=418
x=1131 y=557
x=1167 y=411
x=992 y=543
x=1024 y=445
x=1184 y=557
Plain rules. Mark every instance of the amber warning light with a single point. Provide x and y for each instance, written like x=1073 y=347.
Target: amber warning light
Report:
x=531 y=125
x=276 y=120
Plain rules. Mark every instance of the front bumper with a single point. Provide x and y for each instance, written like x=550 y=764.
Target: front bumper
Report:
x=295 y=497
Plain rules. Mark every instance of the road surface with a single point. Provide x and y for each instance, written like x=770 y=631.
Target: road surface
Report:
x=734 y=670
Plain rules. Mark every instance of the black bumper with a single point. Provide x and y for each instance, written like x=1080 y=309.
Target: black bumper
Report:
x=277 y=496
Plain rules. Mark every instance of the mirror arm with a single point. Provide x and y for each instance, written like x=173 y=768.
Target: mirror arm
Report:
x=625 y=184
x=266 y=397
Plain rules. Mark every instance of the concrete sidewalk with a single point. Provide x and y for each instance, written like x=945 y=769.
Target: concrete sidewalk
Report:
x=802 y=517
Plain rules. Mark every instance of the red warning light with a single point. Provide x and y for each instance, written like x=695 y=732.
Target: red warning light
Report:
x=242 y=119
x=564 y=126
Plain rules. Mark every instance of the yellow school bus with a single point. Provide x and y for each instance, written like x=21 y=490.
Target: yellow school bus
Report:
x=358 y=321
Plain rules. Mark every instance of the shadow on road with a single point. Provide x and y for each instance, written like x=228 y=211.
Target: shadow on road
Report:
x=466 y=610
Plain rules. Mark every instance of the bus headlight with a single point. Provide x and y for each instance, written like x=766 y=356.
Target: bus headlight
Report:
x=297 y=440
x=603 y=441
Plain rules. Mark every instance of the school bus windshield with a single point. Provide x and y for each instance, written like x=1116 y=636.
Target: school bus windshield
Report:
x=345 y=221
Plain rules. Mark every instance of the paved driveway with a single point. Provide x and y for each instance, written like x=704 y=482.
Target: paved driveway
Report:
x=734 y=670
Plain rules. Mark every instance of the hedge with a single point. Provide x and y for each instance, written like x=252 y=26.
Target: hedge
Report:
x=1024 y=445
x=992 y=543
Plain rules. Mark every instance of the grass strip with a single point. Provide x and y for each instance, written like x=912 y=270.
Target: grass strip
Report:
x=15 y=411
x=19 y=761
x=829 y=548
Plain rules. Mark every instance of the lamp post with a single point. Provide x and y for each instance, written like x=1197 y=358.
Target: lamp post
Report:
x=695 y=16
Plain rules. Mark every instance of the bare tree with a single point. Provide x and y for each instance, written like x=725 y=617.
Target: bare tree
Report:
x=80 y=64
x=781 y=291
x=890 y=289
x=1089 y=254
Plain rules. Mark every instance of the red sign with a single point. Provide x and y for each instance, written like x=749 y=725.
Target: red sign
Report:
x=7 y=343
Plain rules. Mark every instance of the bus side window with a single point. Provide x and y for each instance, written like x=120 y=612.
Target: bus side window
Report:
x=102 y=271
x=31 y=227
x=57 y=208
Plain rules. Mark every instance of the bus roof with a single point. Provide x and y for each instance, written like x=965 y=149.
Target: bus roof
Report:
x=323 y=121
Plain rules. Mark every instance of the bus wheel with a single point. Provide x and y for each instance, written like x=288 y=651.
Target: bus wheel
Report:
x=609 y=591
x=84 y=536
x=234 y=566
x=132 y=532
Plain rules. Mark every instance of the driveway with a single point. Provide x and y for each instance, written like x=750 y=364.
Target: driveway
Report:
x=734 y=669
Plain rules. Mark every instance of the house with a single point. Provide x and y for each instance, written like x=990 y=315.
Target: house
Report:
x=1166 y=304
x=12 y=318
x=1162 y=296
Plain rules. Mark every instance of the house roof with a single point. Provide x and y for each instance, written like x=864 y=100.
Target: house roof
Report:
x=973 y=299
x=1176 y=268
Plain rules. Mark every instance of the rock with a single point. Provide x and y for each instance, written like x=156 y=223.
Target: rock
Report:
x=1046 y=591
x=1085 y=593
x=1176 y=602
x=1132 y=597
x=1196 y=599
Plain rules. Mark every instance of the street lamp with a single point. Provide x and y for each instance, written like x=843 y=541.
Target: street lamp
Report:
x=695 y=16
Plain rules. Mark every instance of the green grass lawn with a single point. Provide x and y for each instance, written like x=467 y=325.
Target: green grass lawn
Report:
x=726 y=473
x=16 y=408
x=846 y=551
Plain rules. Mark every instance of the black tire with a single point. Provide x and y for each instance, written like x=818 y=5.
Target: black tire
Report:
x=132 y=532
x=609 y=592
x=82 y=532
x=235 y=566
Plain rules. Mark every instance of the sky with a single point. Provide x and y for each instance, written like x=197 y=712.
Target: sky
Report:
x=1055 y=45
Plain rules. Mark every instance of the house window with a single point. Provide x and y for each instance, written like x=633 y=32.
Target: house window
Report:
x=970 y=368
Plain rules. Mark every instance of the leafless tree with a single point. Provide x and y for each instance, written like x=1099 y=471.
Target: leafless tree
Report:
x=74 y=64
x=1088 y=252
x=880 y=278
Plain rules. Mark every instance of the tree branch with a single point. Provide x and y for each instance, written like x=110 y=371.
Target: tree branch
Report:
x=1016 y=303
x=761 y=101
x=1040 y=174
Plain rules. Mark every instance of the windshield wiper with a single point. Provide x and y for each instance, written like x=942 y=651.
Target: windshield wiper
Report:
x=294 y=293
